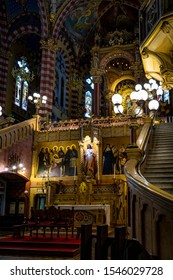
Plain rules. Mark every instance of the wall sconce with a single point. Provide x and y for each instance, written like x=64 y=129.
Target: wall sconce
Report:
x=15 y=164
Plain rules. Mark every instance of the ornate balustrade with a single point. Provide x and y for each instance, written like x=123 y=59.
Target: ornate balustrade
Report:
x=94 y=122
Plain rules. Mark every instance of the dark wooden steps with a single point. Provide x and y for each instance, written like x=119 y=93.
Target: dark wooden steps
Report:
x=59 y=247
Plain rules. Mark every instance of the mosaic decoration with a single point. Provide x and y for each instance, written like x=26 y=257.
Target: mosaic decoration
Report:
x=81 y=19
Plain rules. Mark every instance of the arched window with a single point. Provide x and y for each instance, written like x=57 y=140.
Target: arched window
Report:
x=88 y=96
x=60 y=92
x=22 y=75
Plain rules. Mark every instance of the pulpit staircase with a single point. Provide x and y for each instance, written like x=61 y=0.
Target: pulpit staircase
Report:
x=158 y=168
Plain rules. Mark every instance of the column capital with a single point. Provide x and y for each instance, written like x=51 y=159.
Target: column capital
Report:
x=166 y=27
x=49 y=43
x=96 y=74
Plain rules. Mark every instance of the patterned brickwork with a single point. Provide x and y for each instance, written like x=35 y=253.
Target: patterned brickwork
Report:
x=70 y=69
x=47 y=82
x=22 y=31
x=3 y=56
x=43 y=19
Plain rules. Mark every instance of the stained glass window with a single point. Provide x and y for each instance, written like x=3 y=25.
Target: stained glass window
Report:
x=21 y=90
x=88 y=97
x=18 y=91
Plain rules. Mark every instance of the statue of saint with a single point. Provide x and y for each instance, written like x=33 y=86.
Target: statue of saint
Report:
x=89 y=162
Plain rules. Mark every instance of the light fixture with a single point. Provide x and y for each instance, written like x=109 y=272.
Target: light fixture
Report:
x=0 y=110
x=37 y=100
x=15 y=164
x=135 y=106
x=151 y=93
x=23 y=71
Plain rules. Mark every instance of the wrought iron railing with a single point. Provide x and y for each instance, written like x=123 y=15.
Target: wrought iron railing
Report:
x=151 y=13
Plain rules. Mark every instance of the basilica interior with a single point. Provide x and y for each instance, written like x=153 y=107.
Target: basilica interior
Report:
x=66 y=140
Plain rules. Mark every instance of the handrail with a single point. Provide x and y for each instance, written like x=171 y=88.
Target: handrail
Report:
x=146 y=189
x=152 y=205
x=134 y=177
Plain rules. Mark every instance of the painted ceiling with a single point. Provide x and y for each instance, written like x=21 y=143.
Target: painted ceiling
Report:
x=84 y=18
x=82 y=22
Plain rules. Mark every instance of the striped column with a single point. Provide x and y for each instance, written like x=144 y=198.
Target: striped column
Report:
x=3 y=80
x=47 y=80
x=71 y=102
x=3 y=56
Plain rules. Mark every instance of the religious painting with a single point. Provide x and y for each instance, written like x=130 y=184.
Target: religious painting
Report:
x=80 y=20
x=57 y=161
x=114 y=159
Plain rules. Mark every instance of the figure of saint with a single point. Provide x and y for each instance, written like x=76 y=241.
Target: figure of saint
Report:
x=107 y=160
x=47 y=159
x=54 y=159
x=115 y=159
x=67 y=161
x=122 y=161
x=89 y=162
x=41 y=162
x=95 y=61
x=122 y=158
x=61 y=156
x=73 y=161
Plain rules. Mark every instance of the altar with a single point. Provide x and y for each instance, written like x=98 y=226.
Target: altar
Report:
x=86 y=214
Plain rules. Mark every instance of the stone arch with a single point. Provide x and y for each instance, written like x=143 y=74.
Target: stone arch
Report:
x=123 y=78
x=22 y=31
x=115 y=53
x=61 y=16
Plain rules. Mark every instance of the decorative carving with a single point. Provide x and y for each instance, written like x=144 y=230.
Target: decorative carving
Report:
x=118 y=38
x=97 y=75
x=145 y=53
x=49 y=43
x=167 y=76
x=166 y=27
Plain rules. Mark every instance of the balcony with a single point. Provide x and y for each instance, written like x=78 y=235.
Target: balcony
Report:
x=156 y=45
